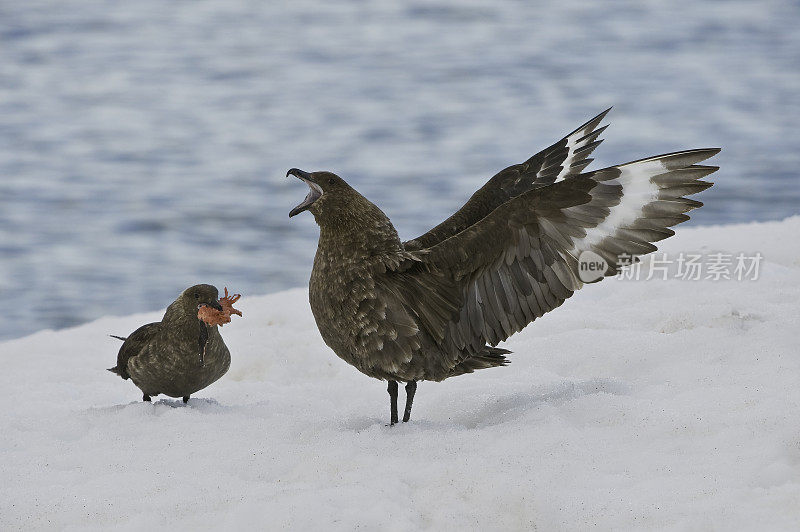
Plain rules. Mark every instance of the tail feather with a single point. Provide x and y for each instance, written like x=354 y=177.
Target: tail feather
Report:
x=116 y=370
x=121 y=372
x=490 y=357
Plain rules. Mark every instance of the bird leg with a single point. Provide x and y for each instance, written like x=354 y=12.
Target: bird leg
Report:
x=145 y=397
x=185 y=399
x=411 y=389
x=392 y=389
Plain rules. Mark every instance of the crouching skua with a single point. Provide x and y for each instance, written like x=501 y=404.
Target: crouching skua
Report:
x=184 y=352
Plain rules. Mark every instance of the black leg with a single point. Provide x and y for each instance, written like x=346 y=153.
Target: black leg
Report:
x=186 y=399
x=411 y=389
x=392 y=389
x=145 y=397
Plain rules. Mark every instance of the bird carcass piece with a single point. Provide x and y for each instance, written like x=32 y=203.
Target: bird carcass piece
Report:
x=212 y=316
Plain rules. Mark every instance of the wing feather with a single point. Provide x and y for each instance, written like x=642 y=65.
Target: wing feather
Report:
x=133 y=345
x=521 y=260
x=567 y=157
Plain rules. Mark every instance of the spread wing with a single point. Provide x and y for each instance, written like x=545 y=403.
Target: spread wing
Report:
x=566 y=158
x=132 y=346
x=521 y=260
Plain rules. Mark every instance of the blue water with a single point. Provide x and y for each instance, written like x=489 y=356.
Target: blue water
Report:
x=143 y=145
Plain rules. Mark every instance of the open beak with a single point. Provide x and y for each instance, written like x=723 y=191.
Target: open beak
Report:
x=314 y=192
x=214 y=304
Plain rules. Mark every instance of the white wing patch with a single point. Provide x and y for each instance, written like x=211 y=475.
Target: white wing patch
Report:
x=638 y=190
x=579 y=144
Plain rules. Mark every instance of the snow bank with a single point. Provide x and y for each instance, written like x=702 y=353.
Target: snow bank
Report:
x=638 y=404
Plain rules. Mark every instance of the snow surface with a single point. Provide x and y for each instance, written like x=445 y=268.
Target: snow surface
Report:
x=637 y=405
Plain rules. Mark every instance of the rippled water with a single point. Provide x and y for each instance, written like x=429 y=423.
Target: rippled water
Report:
x=143 y=145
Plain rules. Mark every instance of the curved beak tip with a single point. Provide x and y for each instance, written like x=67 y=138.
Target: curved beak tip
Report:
x=302 y=174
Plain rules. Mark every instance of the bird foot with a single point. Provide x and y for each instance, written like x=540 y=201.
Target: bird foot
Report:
x=411 y=389
x=227 y=303
x=213 y=316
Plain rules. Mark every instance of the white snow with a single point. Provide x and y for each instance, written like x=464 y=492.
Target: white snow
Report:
x=637 y=405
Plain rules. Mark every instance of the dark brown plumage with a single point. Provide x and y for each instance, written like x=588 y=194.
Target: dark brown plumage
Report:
x=179 y=355
x=435 y=306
